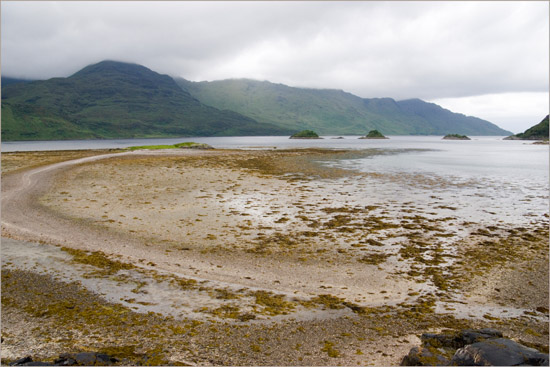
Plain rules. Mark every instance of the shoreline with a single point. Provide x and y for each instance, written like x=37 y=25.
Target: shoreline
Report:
x=269 y=231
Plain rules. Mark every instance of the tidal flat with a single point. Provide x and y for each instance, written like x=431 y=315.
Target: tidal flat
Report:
x=256 y=257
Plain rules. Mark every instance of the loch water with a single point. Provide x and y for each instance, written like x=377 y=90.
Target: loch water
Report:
x=487 y=179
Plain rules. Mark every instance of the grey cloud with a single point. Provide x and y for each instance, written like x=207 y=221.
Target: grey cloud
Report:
x=396 y=49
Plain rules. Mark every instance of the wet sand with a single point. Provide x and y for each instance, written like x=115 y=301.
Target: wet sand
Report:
x=271 y=242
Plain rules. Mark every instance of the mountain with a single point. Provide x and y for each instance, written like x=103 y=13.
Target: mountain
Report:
x=6 y=80
x=115 y=100
x=120 y=100
x=537 y=132
x=334 y=112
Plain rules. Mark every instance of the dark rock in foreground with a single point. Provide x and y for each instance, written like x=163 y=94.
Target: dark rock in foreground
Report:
x=71 y=359
x=498 y=352
x=483 y=347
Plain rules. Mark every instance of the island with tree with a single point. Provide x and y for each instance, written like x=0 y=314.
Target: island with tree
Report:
x=374 y=134
x=306 y=134
x=456 y=137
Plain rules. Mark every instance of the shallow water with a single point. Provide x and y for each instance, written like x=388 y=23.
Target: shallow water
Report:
x=140 y=290
x=486 y=181
x=142 y=293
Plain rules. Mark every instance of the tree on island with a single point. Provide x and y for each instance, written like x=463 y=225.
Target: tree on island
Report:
x=305 y=134
x=374 y=134
x=456 y=137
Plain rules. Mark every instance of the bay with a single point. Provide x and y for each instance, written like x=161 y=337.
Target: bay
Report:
x=488 y=179
x=480 y=156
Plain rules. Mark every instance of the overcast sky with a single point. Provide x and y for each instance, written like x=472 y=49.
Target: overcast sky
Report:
x=487 y=59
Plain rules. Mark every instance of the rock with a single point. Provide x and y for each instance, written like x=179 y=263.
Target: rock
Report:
x=195 y=146
x=498 y=352
x=246 y=316
x=439 y=340
x=459 y=340
x=104 y=359
x=21 y=361
x=481 y=347
x=84 y=359
x=71 y=359
x=474 y=336
x=27 y=361
x=425 y=357
x=455 y=137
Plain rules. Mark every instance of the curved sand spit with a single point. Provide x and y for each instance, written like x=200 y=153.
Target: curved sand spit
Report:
x=24 y=218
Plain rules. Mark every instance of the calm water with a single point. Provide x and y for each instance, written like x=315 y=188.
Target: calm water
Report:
x=507 y=178
x=349 y=142
x=481 y=156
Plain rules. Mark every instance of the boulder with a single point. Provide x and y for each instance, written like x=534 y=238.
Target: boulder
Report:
x=21 y=362
x=27 y=361
x=460 y=339
x=474 y=336
x=420 y=356
x=71 y=359
x=84 y=359
x=481 y=347
x=498 y=352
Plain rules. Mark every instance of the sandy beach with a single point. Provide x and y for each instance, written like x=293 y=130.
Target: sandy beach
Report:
x=257 y=257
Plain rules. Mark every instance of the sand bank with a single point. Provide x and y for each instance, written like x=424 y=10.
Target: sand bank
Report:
x=321 y=249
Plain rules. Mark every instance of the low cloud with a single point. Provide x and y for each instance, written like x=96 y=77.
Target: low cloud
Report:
x=428 y=50
x=511 y=111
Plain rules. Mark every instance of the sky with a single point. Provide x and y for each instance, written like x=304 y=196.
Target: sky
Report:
x=485 y=59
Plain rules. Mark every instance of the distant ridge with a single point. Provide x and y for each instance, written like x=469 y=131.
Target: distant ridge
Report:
x=112 y=99
x=334 y=112
x=6 y=80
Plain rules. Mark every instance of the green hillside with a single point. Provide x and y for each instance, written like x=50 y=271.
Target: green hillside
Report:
x=295 y=108
x=333 y=112
x=115 y=100
x=7 y=81
x=537 y=132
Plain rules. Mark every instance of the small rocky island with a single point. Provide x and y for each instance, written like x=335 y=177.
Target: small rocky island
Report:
x=537 y=132
x=186 y=145
x=374 y=134
x=456 y=137
x=306 y=134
